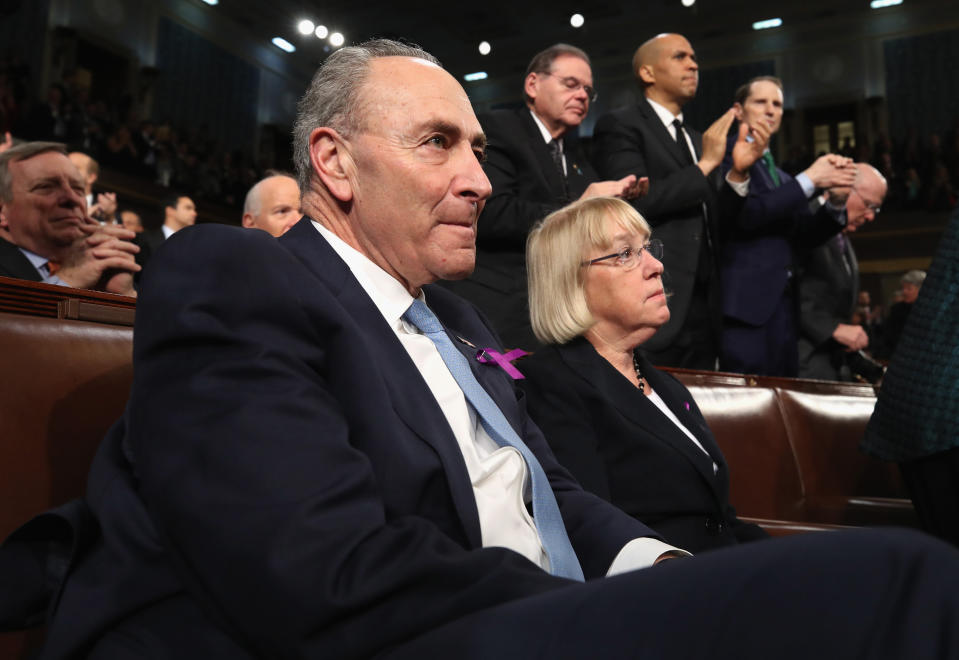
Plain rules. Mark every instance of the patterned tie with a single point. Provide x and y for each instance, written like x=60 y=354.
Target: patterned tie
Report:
x=549 y=522
x=771 y=168
x=681 y=142
x=556 y=151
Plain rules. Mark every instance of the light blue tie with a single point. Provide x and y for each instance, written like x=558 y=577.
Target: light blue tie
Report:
x=549 y=522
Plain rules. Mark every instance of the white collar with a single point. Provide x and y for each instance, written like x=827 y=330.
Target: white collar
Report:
x=386 y=292
x=664 y=115
x=544 y=131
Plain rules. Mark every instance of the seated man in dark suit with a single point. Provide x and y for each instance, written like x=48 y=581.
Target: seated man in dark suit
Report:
x=314 y=463
x=45 y=232
x=760 y=243
x=535 y=165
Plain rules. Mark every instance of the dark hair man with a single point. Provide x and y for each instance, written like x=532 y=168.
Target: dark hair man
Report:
x=685 y=191
x=314 y=464
x=764 y=241
x=535 y=165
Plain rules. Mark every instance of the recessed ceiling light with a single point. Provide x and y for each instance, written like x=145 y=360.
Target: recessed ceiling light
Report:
x=688 y=3
x=337 y=39
x=283 y=44
x=211 y=2
x=479 y=75
x=321 y=32
x=484 y=48
x=768 y=23
x=305 y=26
x=577 y=20
x=879 y=4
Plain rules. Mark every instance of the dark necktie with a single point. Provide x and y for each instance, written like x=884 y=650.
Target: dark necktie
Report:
x=681 y=143
x=546 y=515
x=771 y=168
x=556 y=152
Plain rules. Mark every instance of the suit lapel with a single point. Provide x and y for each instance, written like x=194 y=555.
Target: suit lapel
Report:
x=541 y=154
x=409 y=394
x=662 y=134
x=14 y=264
x=588 y=364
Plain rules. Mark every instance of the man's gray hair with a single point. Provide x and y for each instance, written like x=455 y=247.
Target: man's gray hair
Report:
x=22 y=152
x=332 y=99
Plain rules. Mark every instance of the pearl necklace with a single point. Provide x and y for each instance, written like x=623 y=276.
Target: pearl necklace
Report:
x=639 y=374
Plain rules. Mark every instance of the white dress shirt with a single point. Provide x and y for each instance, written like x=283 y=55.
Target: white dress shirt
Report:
x=499 y=475
x=667 y=117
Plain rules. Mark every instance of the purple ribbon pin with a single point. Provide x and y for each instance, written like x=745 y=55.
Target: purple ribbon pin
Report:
x=504 y=360
x=686 y=403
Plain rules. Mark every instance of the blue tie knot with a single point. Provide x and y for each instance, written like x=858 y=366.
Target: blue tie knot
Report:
x=420 y=316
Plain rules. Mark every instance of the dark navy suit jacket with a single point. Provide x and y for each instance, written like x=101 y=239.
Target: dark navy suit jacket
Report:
x=619 y=445
x=759 y=242
x=283 y=468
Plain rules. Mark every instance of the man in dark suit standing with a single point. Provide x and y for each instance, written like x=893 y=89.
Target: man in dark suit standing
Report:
x=535 y=165
x=829 y=285
x=650 y=139
x=179 y=212
x=762 y=241
x=314 y=464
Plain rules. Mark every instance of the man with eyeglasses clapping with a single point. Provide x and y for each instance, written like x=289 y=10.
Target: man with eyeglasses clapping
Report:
x=535 y=165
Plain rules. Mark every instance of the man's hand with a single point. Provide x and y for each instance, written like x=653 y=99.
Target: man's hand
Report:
x=629 y=187
x=105 y=208
x=747 y=152
x=714 y=142
x=832 y=171
x=853 y=337
x=103 y=260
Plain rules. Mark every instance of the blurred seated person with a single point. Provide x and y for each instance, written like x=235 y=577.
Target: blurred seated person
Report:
x=909 y=284
x=131 y=220
x=273 y=204
x=627 y=431
x=103 y=206
x=45 y=232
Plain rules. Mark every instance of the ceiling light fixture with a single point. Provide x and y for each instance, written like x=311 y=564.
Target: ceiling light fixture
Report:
x=212 y=2
x=305 y=26
x=768 y=23
x=479 y=75
x=321 y=32
x=337 y=39
x=688 y=3
x=484 y=48
x=283 y=44
x=577 y=20
x=879 y=4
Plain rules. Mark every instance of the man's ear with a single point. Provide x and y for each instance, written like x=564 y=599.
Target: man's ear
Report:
x=247 y=220
x=332 y=163
x=531 y=85
x=647 y=74
x=738 y=111
x=4 y=223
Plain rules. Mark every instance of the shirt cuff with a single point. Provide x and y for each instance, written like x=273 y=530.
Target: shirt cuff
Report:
x=806 y=184
x=641 y=553
x=741 y=188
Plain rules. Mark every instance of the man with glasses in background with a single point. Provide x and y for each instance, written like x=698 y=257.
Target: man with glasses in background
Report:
x=536 y=166
x=829 y=343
